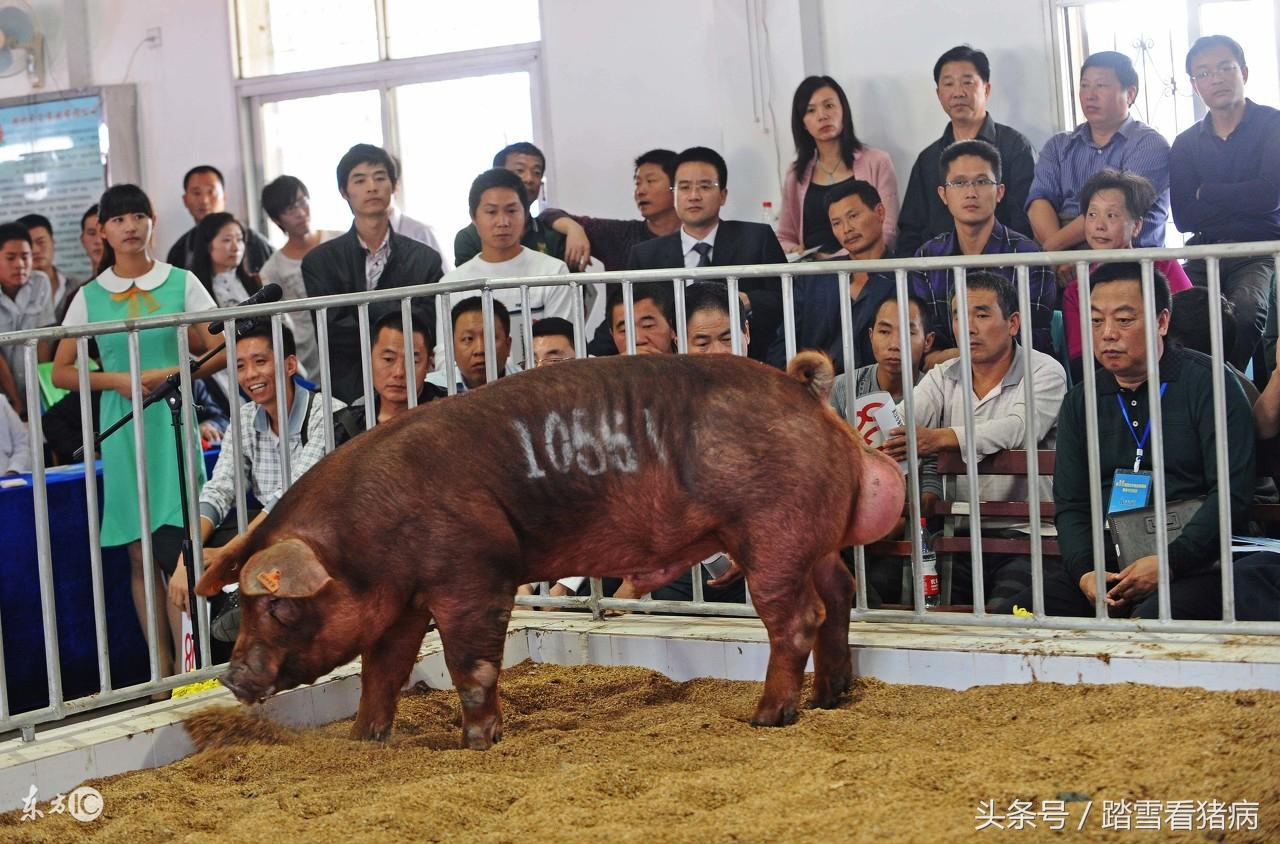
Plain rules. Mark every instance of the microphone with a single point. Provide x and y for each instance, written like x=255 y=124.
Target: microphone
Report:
x=269 y=293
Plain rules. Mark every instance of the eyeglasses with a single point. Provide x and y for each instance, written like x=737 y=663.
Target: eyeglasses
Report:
x=965 y=184
x=705 y=186
x=1221 y=70
x=551 y=359
x=299 y=204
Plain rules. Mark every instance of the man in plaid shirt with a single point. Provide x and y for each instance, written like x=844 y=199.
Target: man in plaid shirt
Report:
x=971 y=189
x=260 y=421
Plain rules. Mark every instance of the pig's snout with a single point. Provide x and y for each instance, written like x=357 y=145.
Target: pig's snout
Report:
x=248 y=689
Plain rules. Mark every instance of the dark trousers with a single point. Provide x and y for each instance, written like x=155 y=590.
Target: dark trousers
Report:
x=1257 y=587
x=1191 y=596
x=1247 y=284
x=1005 y=577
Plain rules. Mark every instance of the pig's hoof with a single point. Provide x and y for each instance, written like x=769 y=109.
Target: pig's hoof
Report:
x=774 y=716
x=827 y=694
x=475 y=737
x=368 y=732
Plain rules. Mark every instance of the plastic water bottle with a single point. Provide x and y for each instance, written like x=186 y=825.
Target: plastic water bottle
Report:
x=766 y=213
x=929 y=570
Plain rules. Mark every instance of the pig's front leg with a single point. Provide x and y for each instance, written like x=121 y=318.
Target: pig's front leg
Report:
x=474 y=636
x=791 y=612
x=384 y=669
x=832 y=661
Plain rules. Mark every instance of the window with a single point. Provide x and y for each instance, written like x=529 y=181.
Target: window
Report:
x=288 y=36
x=320 y=75
x=1155 y=35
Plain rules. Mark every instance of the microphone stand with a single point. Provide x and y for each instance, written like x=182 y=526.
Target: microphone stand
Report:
x=171 y=393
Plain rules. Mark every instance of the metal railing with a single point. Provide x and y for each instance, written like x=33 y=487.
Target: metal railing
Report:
x=596 y=602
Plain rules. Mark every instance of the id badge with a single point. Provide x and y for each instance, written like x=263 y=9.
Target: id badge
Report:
x=1130 y=490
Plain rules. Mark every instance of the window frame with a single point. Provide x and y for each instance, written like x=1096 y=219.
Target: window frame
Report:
x=384 y=76
x=1065 y=89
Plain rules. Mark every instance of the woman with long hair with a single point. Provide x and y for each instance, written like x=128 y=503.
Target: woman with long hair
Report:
x=828 y=153
x=218 y=253
x=131 y=284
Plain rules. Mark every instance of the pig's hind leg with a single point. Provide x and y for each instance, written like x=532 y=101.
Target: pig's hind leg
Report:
x=832 y=660
x=784 y=596
x=474 y=634
x=384 y=669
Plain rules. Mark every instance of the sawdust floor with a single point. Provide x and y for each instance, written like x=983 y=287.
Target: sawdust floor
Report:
x=626 y=755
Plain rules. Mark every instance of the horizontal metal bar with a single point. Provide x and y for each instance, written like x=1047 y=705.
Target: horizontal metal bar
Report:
x=124 y=694
x=933 y=617
x=1033 y=259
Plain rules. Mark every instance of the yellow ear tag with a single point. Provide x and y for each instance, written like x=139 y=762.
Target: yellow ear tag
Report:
x=270 y=580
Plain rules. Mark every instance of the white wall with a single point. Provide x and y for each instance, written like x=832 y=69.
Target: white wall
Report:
x=884 y=56
x=620 y=77
x=186 y=102
x=624 y=77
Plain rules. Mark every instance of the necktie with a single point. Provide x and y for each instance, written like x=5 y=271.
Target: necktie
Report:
x=704 y=254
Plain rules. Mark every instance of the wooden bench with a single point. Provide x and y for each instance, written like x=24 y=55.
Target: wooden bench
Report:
x=947 y=544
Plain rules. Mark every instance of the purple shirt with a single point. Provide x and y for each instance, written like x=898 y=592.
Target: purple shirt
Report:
x=935 y=286
x=1070 y=158
x=1238 y=179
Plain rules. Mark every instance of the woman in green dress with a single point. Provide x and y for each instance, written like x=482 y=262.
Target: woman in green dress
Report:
x=132 y=284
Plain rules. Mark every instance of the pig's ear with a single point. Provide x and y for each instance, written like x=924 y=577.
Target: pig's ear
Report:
x=288 y=569
x=220 y=570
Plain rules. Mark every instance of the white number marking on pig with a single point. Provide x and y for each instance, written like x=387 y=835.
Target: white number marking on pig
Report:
x=651 y=430
x=591 y=454
x=554 y=427
x=580 y=445
x=526 y=442
x=618 y=443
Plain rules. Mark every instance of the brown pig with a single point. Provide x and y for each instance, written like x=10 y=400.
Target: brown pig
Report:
x=625 y=466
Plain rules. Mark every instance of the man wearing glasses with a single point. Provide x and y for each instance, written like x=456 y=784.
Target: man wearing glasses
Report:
x=1109 y=137
x=699 y=179
x=971 y=189
x=1224 y=177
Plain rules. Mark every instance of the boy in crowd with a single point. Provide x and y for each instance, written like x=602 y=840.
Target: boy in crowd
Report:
x=370 y=256
x=553 y=341
x=390 y=385
x=529 y=164
x=499 y=210
x=262 y=425
x=63 y=286
x=25 y=302
x=468 y=345
x=884 y=574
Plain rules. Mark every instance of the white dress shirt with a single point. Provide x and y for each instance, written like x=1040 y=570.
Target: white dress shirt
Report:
x=688 y=241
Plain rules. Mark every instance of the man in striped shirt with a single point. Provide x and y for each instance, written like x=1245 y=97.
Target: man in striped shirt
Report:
x=1109 y=137
x=261 y=422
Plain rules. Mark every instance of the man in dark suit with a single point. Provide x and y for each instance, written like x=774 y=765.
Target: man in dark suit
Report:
x=699 y=178
x=368 y=257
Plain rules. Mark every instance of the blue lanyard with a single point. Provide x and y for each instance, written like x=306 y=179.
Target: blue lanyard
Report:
x=1146 y=432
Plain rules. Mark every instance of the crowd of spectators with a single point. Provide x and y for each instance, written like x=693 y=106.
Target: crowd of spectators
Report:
x=980 y=189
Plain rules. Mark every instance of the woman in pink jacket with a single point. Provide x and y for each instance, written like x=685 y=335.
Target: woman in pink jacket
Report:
x=1114 y=203
x=828 y=153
